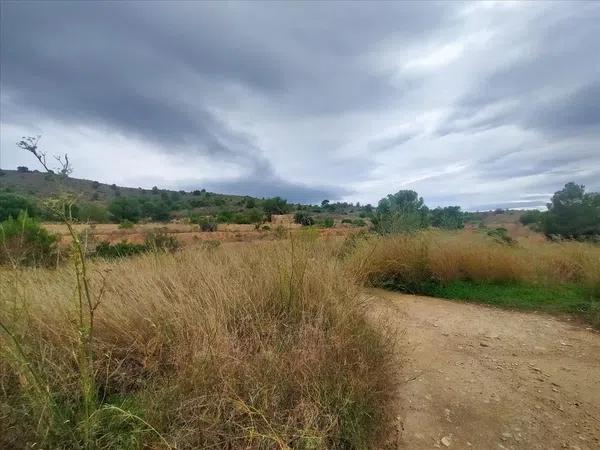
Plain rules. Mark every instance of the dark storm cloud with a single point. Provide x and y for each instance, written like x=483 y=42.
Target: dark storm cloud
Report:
x=313 y=100
x=574 y=112
x=554 y=86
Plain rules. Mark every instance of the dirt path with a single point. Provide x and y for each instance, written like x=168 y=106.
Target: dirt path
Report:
x=482 y=378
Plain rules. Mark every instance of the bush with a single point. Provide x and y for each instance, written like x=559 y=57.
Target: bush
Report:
x=125 y=208
x=23 y=241
x=126 y=225
x=13 y=205
x=160 y=240
x=206 y=225
x=119 y=250
x=327 y=222
x=303 y=218
x=280 y=232
x=276 y=205
x=531 y=217
x=92 y=212
x=349 y=221
x=448 y=217
x=359 y=223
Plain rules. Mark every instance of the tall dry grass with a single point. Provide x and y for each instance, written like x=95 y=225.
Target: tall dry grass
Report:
x=411 y=261
x=448 y=256
x=259 y=345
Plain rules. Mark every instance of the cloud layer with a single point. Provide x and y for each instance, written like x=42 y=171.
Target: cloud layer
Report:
x=478 y=104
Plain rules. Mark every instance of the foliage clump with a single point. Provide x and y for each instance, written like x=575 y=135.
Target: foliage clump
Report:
x=23 y=241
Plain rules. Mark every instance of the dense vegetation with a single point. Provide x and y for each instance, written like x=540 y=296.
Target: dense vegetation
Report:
x=572 y=213
x=264 y=345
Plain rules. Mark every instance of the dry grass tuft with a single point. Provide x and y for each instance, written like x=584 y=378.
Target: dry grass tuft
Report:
x=259 y=345
x=415 y=262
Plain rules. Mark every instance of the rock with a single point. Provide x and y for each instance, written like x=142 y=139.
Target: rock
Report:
x=446 y=441
x=484 y=344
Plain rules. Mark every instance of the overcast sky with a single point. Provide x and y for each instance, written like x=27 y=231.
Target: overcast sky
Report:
x=478 y=104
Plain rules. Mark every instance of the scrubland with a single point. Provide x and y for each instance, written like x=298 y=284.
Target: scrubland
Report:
x=246 y=345
x=251 y=345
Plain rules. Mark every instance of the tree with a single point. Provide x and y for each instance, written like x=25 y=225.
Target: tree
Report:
x=573 y=213
x=324 y=203
x=275 y=205
x=403 y=211
x=30 y=144
x=125 y=208
x=448 y=217
x=11 y=205
x=303 y=218
x=531 y=217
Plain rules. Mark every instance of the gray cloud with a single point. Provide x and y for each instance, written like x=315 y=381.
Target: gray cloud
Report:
x=311 y=100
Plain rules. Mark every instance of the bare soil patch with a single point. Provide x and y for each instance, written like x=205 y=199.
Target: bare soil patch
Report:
x=478 y=377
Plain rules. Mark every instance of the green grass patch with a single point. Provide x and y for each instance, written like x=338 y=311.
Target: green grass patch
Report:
x=567 y=298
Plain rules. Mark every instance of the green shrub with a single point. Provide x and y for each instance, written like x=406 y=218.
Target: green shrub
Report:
x=23 y=241
x=276 y=205
x=13 y=204
x=327 y=222
x=119 y=250
x=531 y=217
x=126 y=225
x=160 y=240
x=303 y=218
x=125 y=208
x=359 y=223
x=348 y=221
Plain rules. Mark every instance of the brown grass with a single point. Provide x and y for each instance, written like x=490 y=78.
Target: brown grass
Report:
x=444 y=257
x=251 y=345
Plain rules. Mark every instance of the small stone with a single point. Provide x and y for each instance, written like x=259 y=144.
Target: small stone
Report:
x=484 y=344
x=446 y=441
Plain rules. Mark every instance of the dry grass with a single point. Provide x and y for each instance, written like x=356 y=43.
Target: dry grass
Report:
x=253 y=345
x=413 y=262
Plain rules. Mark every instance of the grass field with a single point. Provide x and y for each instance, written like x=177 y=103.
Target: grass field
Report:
x=250 y=345
x=531 y=274
x=260 y=344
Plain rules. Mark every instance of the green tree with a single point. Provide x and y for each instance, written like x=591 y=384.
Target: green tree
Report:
x=401 y=212
x=12 y=204
x=448 y=217
x=276 y=205
x=573 y=213
x=125 y=208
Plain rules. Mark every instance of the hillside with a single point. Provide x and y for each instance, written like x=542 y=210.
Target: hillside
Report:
x=44 y=185
x=102 y=203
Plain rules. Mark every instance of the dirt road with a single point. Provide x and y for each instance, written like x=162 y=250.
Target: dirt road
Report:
x=482 y=378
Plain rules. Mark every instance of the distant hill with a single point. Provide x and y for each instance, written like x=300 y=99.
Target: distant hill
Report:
x=43 y=185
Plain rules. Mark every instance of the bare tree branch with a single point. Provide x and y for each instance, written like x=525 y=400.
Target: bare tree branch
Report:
x=65 y=168
x=30 y=144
